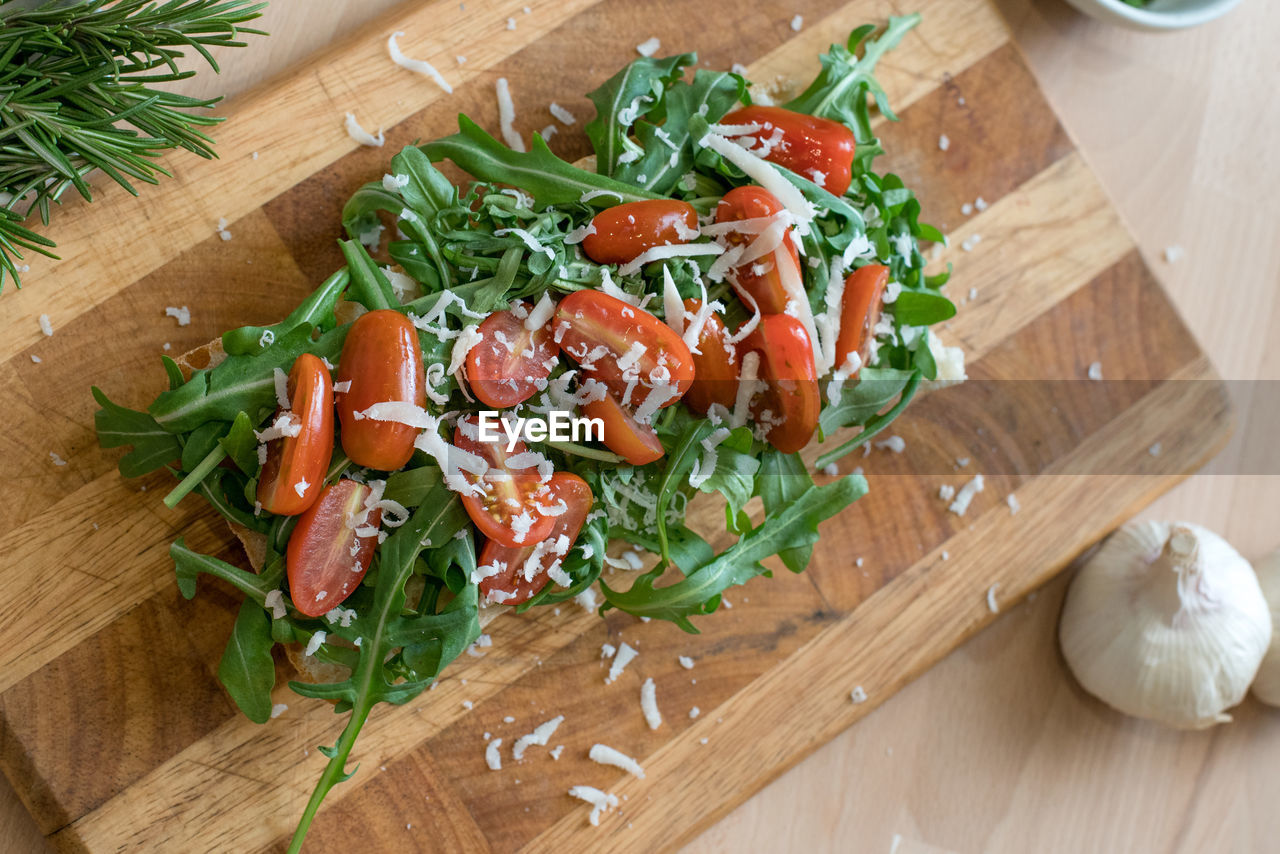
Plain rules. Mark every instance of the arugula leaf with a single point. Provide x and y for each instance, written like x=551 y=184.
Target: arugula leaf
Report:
x=315 y=310
x=922 y=308
x=875 y=388
x=783 y=479
x=153 y=446
x=550 y=180
x=242 y=383
x=633 y=92
x=794 y=526
x=247 y=670
x=369 y=285
x=188 y=565
x=241 y=445
x=874 y=424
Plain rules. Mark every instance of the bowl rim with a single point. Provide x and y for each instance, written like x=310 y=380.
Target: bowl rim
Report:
x=1169 y=19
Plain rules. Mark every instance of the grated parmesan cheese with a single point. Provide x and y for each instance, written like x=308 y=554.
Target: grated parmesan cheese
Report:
x=796 y=23
x=278 y=709
x=507 y=113
x=541 y=312
x=625 y=654
x=275 y=601
x=943 y=142
x=894 y=443
x=1014 y=504
x=540 y=736
x=648 y=47
x=600 y=801
x=764 y=174
x=1095 y=371
x=361 y=135
x=649 y=704
x=492 y=757
x=421 y=66
x=561 y=114
x=313 y=645
x=858 y=695
x=965 y=495
x=675 y=250
x=686 y=662
x=603 y=754
x=992 y=605
x=182 y=315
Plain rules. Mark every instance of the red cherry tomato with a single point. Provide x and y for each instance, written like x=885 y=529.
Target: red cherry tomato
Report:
x=764 y=287
x=635 y=442
x=510 y=580
x=503 y=369
x=325 y=560
x=508 y=511
x=294 y=471
x=812 y=147
x=859 y=311
x=383 y=362
x=624 y=231
x=715 y=369
x=601 y=333
x=790 y=401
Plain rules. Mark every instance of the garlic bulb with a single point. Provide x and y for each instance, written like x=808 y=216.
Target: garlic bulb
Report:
x=1166 y=622
x=1266 y=687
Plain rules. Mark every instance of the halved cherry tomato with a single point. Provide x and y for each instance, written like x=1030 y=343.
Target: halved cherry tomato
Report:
x=291 y=477
x=764 y=287
x=624 y=231
x=601 y=331
x=859 y=311
x=815 y=148
x=510 y=580
x=715 y=372
x=635 y=442
x=383 y=362
x=325 y=560
x=508 y=512
x=790 y=400
x=503 y=369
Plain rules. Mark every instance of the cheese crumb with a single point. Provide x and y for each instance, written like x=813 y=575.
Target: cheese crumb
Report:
x=946 y=492
x=1095 y=371
x=894 y=443
x=944 y=142
x=603 y=754
x=992 y=606
x=694 y=712
x=275 y=602
x=556 y=751
x=182 y=315
x=420 y=66
x=541 y=735
x=511 y=23
x=36 y=359
x=561 y=114
x=858 y=695
x=313 y=645
x=970 y=242
x=222 y=229
x=278 y=709
x=1155 y=449
x=1014 y=504
x=468 y=705
x=507 y=115
x=1173 y=254
x=361 y=135
x=648 y=47
x=600 y=801
x=649 y=704
x=492 y=757
x=796 y=23
x=625 y=654
x=57 y=460
x=686 y=662
x=965 y=495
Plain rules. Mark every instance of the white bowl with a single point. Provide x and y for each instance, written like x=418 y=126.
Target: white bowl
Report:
x=1157 y=15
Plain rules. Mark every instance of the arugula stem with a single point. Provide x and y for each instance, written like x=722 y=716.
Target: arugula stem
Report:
x=908 y=392
x=585 y=452
x=334 y=771
x=192 y=481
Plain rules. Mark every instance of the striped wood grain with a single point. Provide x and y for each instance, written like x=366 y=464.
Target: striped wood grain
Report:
x=1052 y=252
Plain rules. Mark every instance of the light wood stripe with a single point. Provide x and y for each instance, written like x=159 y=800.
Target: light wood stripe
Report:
x=903 y=628
x=168 y=219
x=197 y=800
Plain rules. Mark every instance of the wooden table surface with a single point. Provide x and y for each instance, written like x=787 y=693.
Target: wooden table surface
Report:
x=996 y=748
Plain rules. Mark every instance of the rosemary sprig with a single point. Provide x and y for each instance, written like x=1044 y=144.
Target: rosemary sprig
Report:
x=76 y=96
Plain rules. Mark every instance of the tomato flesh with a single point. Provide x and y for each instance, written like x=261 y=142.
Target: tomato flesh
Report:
x=624 y=232
x=510 y=583
x=508 y=511
x=859 y=312
x=790 y=402
x=382 y=360
x=715 y=372
x=815 y=148
x=510 y=362
x=601 y=334
x=635 y=442
x=325 y=560
x=760 y=280
x=294 y=471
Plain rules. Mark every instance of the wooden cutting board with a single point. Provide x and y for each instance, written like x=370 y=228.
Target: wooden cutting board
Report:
x=113 y=728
